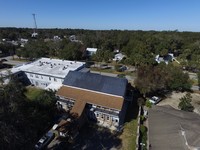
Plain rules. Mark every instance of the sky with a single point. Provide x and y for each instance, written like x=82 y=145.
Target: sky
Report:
x=182 y=15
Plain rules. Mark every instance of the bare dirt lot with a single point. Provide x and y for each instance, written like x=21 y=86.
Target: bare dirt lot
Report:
x=173 y=100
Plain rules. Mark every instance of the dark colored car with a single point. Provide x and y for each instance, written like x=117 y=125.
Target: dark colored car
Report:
x=45 y=140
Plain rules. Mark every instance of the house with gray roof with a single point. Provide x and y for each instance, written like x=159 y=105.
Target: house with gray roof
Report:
x=97 y=97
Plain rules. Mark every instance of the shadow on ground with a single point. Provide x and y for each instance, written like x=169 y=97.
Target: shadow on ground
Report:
x=132 y=110
x=92 y=137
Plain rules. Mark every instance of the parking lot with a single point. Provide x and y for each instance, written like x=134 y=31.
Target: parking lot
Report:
x=166 y=125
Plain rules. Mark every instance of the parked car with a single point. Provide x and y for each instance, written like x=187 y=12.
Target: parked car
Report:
x=121 y=76
x=45 y=140
x=154 y=100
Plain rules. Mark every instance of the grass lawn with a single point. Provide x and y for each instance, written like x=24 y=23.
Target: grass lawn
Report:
x=129 y=133
x=32 y=92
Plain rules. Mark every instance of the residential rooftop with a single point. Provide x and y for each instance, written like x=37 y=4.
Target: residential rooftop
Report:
x=82 y=97
x=50 y=67
x=91 y=49
x=96 y=82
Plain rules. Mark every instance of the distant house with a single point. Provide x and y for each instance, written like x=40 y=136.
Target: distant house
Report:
x=91 y=51
x=23 y=42
x=98 y=98
x=72 y=38
x=56 y=38
x=167 y=58
x=118 y=57
x=48 y=73
x=34 y=34
x=12 y=42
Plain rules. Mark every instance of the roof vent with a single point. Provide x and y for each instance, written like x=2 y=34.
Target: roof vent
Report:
x=65 y=67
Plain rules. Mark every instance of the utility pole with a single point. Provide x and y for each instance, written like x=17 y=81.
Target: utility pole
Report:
x=34 y=34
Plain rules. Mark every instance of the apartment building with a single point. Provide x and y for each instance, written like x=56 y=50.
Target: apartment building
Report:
x=48 y=73
x=101 y=98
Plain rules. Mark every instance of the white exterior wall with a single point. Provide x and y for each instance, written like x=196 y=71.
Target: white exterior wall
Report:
x=42 y=81
x=107 y=118
x=104 y=119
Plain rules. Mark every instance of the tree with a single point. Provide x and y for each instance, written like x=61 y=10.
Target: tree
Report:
x=34 y=49
x=140 y=101
x=102 y=55
x=46 y=100
x=151 y=78
x=23 y=121
x=71 y=51
x=185 y=103
x=179 y=80
x=198 y=77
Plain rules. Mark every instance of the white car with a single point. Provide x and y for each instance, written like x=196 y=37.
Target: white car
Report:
x=45 y=140
x=154 y=100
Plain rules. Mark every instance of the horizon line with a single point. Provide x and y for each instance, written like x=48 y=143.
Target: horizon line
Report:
x=65 y=28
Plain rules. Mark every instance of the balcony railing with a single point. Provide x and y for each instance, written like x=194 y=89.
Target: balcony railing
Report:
x=106 y=111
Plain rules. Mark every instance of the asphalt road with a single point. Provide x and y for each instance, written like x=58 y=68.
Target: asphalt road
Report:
x=192 y=75
x=195 y=88
x=129 y=78
x=166 y=125
x=10 y=61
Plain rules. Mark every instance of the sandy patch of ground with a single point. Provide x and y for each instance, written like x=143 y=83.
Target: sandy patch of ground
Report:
x=173 y=100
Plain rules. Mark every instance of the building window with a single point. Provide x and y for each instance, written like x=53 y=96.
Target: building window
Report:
x=36 y=76
x=49 y=78
x=41 y=77
x=108 y=118
x=31 y=75
x=116 y=120
x=102 y=116
x=97 y=115
x=55 y=79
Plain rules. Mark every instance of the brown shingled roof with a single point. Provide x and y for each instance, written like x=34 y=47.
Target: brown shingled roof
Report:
x=85 y=96
x=78 y=107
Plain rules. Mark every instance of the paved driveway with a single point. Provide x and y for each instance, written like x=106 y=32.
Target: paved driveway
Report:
x=165 y=125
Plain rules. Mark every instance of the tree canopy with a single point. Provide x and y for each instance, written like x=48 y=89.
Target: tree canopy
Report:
x=22 y=120
x=160 y=77
x=185 y=103
x=140 y=47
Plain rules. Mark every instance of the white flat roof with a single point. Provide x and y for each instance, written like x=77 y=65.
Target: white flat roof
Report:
x=92 y=49
x=49 y=67
x=53 y=86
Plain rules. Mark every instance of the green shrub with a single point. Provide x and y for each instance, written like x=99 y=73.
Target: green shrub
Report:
x=185 y=103
x=148 y=104
x=143 y=135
